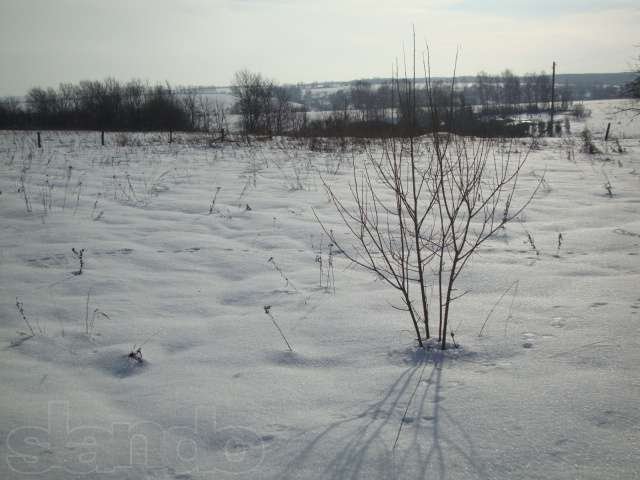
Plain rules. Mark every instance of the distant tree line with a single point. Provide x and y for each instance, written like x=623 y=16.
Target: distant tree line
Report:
x=266 y=107
x=531 y=92
x=493 y=95
x=107 y=105
x=365 y=109
x=480 y=105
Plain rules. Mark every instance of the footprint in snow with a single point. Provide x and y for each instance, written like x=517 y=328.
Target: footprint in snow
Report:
x=598 y=304
x=121 y=251
x=58 y=259
x=188 y=250
x=528 y=338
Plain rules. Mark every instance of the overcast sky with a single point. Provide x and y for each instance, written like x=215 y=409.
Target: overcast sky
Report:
x=203 y=42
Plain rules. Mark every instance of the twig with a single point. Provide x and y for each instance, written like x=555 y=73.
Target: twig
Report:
x=20 y=307
x=282 y=274
x=267 y=310
x=213 y=201
x=86 y=313
x=516 y=283
x=80 y=256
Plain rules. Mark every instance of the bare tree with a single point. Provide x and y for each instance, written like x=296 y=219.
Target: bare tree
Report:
x=543 y=89
x=253 y=93
x=512 y=91
x=281 y=109
x=219 y=117
x=484 y=89
x=528 y=87
x=362 y=97
x=189 y=101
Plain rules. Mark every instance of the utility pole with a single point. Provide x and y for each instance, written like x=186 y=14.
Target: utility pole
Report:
x=553 y=95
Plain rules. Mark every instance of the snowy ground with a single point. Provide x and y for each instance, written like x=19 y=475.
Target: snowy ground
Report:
x=550 y=390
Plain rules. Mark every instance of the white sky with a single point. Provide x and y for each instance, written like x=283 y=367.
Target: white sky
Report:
x=203 y=42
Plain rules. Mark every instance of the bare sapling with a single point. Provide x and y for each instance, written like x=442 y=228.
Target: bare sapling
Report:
x=426 y=204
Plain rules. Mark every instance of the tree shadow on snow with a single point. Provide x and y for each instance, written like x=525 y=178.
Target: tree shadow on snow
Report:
x=408 y=433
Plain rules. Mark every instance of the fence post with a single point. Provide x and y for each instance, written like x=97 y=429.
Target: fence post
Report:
x=102 y=138
x=170 y=136
x=606 y=135
x=39 y=141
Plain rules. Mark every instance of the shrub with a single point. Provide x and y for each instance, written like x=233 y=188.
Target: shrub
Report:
x=122 y=139
x=587 y=142
x=427 y=203
x=580 y=111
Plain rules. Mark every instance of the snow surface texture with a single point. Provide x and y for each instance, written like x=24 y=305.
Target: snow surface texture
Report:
x=550 y=389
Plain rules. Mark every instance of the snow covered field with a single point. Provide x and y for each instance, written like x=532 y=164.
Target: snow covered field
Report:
x=184 y=247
